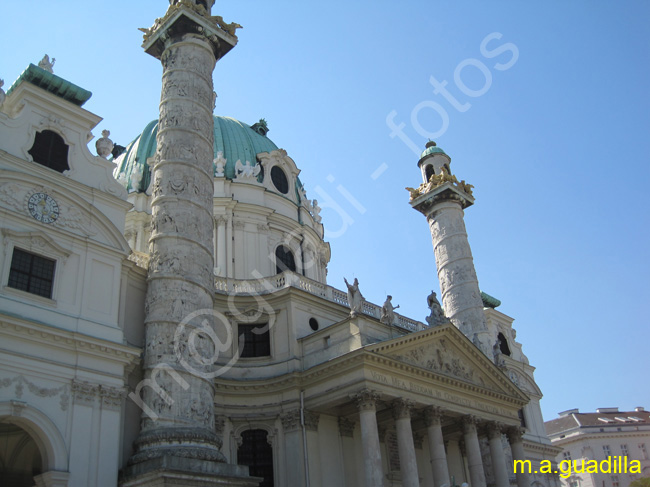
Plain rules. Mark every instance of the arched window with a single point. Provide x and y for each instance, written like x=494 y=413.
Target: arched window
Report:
x=257 y=454
x=284 y=260
x=505 y=349
x=20 y=458
x=428 y=171
x=50 y=150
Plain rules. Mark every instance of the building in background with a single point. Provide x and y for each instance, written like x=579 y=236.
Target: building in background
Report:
x=597 y=436
x=165 y=315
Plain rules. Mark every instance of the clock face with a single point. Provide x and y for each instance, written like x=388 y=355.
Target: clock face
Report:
x=43 y=207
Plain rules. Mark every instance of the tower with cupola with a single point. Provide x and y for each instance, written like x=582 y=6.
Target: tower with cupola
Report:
x=441 y=198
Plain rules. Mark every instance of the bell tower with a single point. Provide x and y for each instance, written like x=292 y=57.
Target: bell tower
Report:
x=441 y=198
x=178 y=437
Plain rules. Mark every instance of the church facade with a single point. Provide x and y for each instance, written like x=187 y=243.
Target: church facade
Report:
x=165 y=316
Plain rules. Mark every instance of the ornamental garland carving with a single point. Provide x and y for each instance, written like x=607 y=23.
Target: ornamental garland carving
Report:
x=20 y=382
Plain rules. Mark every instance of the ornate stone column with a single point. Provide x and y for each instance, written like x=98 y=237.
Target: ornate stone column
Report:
x=366 y=403
x=442 y=200
x=178 y=394
x=515 y=437
x=432 y=419
x=406 y=448
x=473 y=451
x=495 y=432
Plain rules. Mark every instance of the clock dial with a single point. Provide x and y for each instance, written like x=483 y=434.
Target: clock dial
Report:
x=43 y=208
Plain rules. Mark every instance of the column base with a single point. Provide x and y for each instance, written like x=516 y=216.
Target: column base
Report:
x=170 y=471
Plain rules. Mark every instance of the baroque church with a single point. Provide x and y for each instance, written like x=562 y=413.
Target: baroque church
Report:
x=165 y=317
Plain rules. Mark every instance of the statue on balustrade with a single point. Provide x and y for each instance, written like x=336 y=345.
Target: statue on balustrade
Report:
x=355 y=298
x=388 y=311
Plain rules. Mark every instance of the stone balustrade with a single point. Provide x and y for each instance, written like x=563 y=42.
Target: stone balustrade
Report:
x=290 y=279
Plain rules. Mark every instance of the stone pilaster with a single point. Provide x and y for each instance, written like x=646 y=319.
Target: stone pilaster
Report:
x=406 y=447
x=473 y=450
x=366 y=401
x=438 y=456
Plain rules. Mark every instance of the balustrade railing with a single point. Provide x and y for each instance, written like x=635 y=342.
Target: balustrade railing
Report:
x=286 y=279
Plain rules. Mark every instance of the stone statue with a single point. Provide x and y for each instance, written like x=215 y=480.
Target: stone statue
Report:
x=46 y=64
x=246 y=171
x=387 y=311
x=437 y=316
x=496 y=353
x=219 y=165
x=355 y=298
x=104 y=145
x=315 y=211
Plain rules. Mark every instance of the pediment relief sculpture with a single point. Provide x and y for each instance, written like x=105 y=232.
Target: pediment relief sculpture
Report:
x=443 y=358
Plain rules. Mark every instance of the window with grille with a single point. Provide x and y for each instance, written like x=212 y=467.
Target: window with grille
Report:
x=567 y=455
x=256 y=452
x=255 y=339
x=606 y=451
x=50 y=150
x=615 y=482
x=31 y=273
x=644 y=452
x=624 y=450
x=284 y=260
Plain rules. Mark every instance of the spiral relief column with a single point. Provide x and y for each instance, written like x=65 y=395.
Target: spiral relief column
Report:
x=442 y=199
x=177 y=430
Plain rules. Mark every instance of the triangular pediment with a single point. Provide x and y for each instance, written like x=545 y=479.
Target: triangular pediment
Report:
x=445 y=351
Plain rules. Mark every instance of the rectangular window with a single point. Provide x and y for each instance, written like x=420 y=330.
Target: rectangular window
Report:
x=624 y=450
x=644 y=452
x=574 y=483
x=615 y=481
x=255 y=340
x=567 y=455
x=607 y=451
x=31 y=273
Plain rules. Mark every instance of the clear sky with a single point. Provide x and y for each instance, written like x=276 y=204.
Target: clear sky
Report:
x=544 y=109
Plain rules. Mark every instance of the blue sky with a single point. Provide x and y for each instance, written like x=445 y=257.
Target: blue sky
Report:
x=554 y=145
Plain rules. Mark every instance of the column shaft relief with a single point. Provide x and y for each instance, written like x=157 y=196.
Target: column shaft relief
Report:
x=461 y=296
x=180 y=280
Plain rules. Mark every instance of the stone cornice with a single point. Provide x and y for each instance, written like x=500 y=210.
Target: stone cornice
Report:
x=69 y=341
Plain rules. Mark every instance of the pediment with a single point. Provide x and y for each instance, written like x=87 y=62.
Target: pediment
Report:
x=445 y=351
x=74 y=214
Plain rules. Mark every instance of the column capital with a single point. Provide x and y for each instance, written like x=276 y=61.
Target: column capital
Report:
x=366 y=400
x=346 y=427
x=515 y=434
x=290 y=420
x=402 y=408
x=311 y=420
x=469 y=423
x=433 y=415
x=495 y=429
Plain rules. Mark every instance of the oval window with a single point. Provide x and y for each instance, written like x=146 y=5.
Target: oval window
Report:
x=279 y=179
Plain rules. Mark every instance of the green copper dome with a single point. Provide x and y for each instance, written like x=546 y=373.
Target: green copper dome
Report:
x=235 y=139
x=432 y=150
